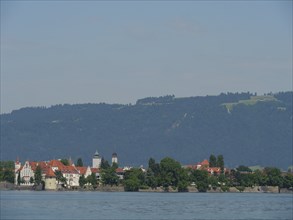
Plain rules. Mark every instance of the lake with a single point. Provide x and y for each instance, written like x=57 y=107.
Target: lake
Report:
x=137 y=205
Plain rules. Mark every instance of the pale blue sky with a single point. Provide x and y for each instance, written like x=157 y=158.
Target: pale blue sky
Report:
x=117 y=52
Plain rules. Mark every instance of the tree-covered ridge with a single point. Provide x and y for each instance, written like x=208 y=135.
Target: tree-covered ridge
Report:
x=186 y=129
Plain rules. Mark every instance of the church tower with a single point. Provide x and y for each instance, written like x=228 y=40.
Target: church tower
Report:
x=114 y=158
x=97 y=160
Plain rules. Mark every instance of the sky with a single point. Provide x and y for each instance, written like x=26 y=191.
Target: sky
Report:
x=120 y=51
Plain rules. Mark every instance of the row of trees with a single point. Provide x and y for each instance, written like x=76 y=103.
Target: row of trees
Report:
x=169 y=173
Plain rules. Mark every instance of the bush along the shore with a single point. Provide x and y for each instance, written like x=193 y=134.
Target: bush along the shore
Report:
x=169 y=174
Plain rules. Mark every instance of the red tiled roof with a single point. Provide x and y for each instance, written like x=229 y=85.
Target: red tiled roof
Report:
x=42 y=164
x=50 y=173
x=69 y=169
x=82 y=170
x=56 y=163
x=205 y=162
x=95 y=170
x=214 y=169
x=120 y=170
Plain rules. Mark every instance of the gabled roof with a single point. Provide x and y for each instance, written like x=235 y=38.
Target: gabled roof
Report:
x=50 y=173
x=69 y=169
x=205 y=163
x=81 y=170
x=56 y=163
x=34 y=165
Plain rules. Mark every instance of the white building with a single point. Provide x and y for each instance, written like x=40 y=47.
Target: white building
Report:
x=97 y=160
x=25 y=172
x=114 y=158
x=71 y=174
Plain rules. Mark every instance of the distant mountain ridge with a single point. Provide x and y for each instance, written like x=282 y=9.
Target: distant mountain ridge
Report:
x=245 y=128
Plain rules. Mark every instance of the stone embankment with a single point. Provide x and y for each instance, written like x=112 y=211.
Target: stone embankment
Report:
x=191 y=189
x=255 y=189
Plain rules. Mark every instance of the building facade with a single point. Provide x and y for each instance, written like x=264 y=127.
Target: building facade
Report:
x=97 y=160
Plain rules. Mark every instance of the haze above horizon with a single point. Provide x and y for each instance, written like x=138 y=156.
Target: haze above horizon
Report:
x=118 y=52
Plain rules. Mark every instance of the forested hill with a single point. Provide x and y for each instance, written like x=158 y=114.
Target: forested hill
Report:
x=246 y=129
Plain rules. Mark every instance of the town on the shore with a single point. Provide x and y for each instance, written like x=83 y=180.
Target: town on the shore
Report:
x=167 y=175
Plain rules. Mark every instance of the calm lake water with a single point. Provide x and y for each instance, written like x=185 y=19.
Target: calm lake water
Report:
x=124 y=205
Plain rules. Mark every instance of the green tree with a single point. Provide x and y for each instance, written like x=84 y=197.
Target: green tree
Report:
x=246 y=180
x=259 y=178
x=60 y=177
x=213 y=181
x=104 y=164
x=32 y=180
x=65 y=161
x=274 y=176
x=182 y=186
x=18 y=178
x=7 y=165
x=151 y=179
x=7 y=171
x=200 y=178
x=220 y=162
x=243 y=168
x=8 y=175
x=169 y=172
x=183 y=180
x=132 y=184
x=155 y=167
x=79 y=162
x=288 y=181
x=134 y=179
x=82 y=180
x=213 y=161
x=115 y=165
x=92 y=179
x=152 y=163
x=38 y=175
x=109 y=176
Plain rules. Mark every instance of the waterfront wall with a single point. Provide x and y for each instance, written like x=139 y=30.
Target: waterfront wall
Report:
x=191 y=189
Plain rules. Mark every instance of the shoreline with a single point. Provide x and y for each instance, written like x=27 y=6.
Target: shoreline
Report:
x=256 y=189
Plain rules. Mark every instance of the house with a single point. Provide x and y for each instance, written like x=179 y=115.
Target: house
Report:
x=50 y=180
x=56 y=165
x=26 y=174
x=205 y=165
x=120 y=173
x=71 y=174
x=97 y=171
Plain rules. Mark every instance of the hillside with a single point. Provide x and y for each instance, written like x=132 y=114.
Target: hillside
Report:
x=246 y=129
